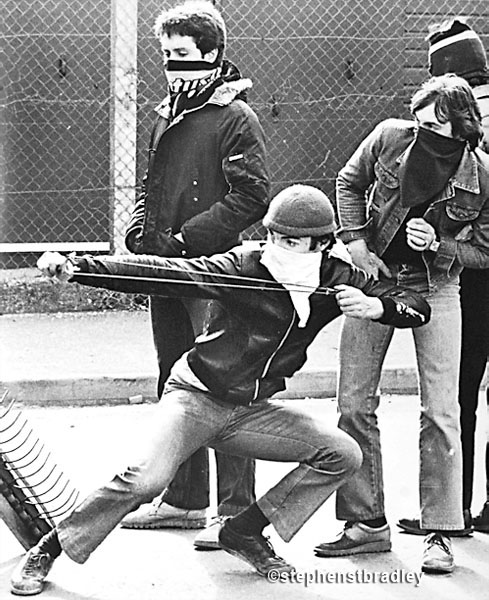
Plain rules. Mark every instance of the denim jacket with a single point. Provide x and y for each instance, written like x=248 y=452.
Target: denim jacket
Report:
x=369 y=207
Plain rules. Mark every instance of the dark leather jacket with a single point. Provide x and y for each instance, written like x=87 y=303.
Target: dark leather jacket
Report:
x=368 y=201
x=251 y=341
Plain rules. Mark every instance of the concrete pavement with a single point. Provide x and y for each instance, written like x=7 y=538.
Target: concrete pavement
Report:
x=70 y=363
x=91 y=443
x=108 y=357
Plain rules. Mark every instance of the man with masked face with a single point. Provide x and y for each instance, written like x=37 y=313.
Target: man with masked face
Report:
x=454 y=47
x=206 y=182
x=269 y=305
x=413 y=204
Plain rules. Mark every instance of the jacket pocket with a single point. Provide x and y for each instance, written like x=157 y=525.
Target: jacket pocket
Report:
x=460 y=212
x=384 y=190
x=385 y=177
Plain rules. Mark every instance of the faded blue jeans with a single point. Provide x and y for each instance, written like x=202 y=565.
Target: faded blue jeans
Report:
x=363 y=346
x=186 y=419
x=176 y=322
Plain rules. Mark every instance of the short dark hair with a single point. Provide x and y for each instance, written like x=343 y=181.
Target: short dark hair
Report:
x=454 y=102
x=198 y=19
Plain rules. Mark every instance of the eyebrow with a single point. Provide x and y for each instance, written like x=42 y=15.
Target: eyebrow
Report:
x=432 y=123
x=288 y=237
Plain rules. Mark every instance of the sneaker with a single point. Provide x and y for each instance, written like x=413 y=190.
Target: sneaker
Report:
x=481 y=522
x=437 y=555
x=29 y=575
x=256 y=550
x=413 y=526
x=357 y=538
x=208 y=538
x=160 y=515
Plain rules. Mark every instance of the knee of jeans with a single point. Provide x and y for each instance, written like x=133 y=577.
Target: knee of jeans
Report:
x=357 y=406
x=345 y=458
x=139 y=484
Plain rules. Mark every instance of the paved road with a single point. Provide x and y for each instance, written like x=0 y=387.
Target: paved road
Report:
x=93 y=442
x=99 y=357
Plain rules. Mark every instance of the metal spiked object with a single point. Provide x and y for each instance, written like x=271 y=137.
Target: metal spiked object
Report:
x=34 y=492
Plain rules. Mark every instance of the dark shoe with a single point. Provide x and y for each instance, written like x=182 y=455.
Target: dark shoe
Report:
x=357 y=538
x=437 y=555
x=256 y=550
x=413 y=526
x=29 y=575
x=481 y=522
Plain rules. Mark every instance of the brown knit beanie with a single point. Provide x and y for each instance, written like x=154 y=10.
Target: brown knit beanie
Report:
x=300 y=211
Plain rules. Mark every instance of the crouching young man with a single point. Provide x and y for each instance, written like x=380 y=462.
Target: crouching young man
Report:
x=270 y=303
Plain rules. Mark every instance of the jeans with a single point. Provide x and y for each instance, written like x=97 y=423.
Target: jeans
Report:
x=363 y=346
x=187 y=419
x=175 y=323
x=474 y=298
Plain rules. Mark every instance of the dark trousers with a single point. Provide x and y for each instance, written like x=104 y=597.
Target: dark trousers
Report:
x=176 y=322
x=474 y=297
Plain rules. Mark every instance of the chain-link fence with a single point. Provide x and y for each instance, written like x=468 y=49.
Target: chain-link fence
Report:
x=81 y=79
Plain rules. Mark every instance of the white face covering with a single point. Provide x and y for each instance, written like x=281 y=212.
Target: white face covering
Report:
x=298 y=273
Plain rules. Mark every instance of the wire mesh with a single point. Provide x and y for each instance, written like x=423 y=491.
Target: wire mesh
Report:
x=81 y=79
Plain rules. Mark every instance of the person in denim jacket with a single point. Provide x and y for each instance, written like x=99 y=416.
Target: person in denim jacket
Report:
x=456 y=48
x=413 y=205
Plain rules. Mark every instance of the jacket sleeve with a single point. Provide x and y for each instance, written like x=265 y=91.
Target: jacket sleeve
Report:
x=403 y=307
x=135 y=226
x=244 y=167
x=470 y=250
x=352 y=184
x=203 y=277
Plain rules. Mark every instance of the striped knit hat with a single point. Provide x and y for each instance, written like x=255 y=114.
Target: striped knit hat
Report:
x=456 y=48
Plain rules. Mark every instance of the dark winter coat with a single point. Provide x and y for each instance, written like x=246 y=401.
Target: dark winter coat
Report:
x=206 y=178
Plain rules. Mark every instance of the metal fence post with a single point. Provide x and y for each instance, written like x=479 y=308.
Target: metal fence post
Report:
x=123 y=114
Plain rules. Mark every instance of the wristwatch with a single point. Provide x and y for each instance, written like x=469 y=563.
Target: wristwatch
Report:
x=435 y=244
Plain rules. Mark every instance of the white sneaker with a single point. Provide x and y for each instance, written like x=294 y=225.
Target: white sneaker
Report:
x=208 y=538
x=160 y=515
x=437 y=555
x=28 y=576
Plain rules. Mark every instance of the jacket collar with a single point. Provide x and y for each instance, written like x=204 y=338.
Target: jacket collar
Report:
x=223 y=95
x=467 y=176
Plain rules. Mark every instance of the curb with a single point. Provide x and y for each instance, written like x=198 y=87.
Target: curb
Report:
x=106 y=390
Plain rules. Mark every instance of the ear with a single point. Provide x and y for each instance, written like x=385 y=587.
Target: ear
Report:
x=210 y=56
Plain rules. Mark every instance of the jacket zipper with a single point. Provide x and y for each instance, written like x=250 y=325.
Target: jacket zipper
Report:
x=269 y=361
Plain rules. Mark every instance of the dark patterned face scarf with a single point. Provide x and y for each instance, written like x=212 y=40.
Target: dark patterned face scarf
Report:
x=190 y=83
x=429 y=164
x=190 y=76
